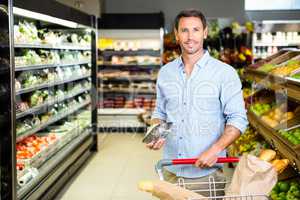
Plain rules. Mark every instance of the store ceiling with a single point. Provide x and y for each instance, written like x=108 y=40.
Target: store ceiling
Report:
x=91 y=7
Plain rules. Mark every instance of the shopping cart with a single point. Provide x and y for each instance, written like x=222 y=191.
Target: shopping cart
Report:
x=212 y=187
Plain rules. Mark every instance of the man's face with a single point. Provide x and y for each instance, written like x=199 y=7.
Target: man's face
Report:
x=190 y=34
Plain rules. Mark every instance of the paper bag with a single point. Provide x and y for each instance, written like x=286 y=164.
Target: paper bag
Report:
x=252 y=176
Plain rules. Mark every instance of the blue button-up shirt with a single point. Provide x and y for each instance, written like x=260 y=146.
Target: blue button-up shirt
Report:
x=199 y=106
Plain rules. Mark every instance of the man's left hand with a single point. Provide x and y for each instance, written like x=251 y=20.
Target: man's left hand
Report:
x=207 y=159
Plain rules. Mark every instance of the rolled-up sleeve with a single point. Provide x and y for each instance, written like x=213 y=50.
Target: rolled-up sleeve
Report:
x=232 y=101
x=160 y=108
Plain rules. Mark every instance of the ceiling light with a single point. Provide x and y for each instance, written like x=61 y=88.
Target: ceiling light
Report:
x=43 y=17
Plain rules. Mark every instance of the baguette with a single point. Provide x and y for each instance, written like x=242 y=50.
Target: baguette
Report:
x=267 y=155
x=280 y=165
x=167 y=191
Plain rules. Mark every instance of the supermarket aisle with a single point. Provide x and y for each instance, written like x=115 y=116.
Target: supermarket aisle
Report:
x=113 y=173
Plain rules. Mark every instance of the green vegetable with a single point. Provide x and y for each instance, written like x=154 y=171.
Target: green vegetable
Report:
x=282 y=196
x=260 y=108
x=35 y=98
x=292 y=136
x=293 y=62
x=286 y=191
x=266 y=67
x=284 y=186
x=297 y=76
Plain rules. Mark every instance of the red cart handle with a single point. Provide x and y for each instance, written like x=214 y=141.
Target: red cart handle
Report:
x=187 y=161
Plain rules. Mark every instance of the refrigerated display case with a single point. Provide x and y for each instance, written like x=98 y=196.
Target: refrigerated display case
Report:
x=269 y=38
x=129 y=57
x=50 y=78
x=7 y=136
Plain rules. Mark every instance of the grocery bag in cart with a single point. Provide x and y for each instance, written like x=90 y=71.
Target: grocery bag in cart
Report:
x=241 y=187
x=253 y=178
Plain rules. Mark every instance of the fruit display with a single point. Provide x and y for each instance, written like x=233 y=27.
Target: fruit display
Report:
x=293 y=136
x=277 y=116
x=260 y=108
x=267 y=67
x=278 y=111
x=286 y=190
x=282 y=63
x=249 y=142
x=27 y=33
x=286 y=69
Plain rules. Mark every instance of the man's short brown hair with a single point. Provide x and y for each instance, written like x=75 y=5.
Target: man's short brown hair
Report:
x=190 y=13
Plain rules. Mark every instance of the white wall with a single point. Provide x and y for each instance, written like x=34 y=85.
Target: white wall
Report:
x=211 y=8
x=91 y=7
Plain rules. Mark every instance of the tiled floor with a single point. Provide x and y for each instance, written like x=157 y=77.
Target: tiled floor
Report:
x=113 y=173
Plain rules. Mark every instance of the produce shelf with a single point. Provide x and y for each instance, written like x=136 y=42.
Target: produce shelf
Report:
x=50 y=46
x=289 y=86
x=45 y=66
x=129 y=91
x=45 y=105
x=140 y=66
x=60 y=157
x=120 y=111
x=273 y=138
x=52 y=120
x=47 y=85
x=128 y=78
x=141 y=52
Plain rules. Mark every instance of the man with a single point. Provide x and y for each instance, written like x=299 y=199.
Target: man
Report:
x=202 y=97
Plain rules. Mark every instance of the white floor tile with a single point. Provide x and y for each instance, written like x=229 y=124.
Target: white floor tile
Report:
x=114 y=172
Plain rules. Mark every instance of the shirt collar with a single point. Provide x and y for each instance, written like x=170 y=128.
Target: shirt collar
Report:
x=200 y=63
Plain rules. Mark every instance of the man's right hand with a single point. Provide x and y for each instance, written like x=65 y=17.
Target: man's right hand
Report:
x=156 y=145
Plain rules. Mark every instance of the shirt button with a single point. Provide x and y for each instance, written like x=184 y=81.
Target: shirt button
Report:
x=180 y=138
x=184 y=103
x=179 y=154
x=182 y=120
